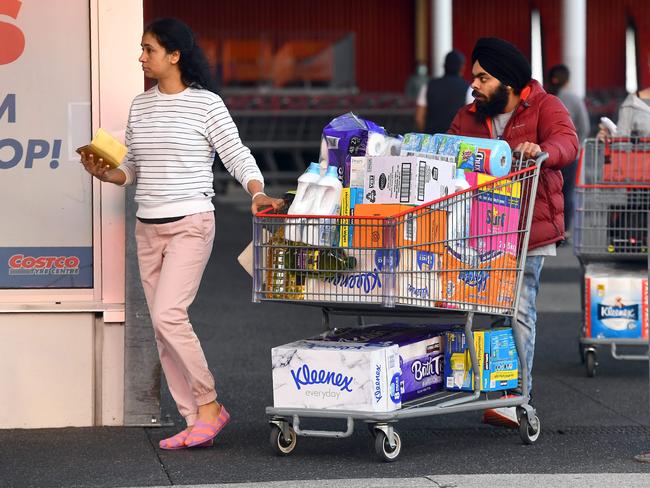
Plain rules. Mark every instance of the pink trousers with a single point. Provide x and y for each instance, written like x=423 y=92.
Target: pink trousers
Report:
x=172 y=258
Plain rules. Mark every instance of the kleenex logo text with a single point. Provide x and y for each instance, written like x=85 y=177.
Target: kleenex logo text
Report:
x=630 y=312
x=378 y=383
x=304 y=376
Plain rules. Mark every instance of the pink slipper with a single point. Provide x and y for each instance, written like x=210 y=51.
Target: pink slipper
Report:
x=178 y=442
x=204 y=432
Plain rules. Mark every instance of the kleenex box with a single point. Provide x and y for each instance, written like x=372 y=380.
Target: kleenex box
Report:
x=616 y=302
x=336 y=376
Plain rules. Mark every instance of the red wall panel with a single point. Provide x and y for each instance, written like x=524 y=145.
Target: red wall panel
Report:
x=606 y=23
x=507 y=19
x=384 y=29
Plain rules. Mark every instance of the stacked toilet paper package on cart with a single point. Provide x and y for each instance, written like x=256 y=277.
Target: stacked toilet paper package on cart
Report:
x=349 y=135
x=616 y=302
x=330 y=375
x=421 y=353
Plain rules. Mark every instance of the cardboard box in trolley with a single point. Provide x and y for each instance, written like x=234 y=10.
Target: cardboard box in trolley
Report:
x=408 y=180
x=423 y=229
x=497 y=360
x=418 y=279
x=616 y=303
x=336 y=376
x=363 y=284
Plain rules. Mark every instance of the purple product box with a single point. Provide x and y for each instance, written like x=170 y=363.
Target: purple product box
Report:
x=346 y=136
x=421 y=352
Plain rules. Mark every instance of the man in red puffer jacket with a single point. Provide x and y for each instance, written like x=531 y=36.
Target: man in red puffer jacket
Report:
x=509 y=105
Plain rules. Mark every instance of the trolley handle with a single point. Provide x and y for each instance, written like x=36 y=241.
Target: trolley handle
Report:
x=538 y=160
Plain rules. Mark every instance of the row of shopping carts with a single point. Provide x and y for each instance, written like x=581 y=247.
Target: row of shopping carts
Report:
x=611 y=227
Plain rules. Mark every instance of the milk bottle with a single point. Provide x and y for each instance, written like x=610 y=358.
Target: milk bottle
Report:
x=326 y=200
x=302 y=202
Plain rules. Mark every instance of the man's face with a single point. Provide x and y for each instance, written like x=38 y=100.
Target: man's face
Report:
x=490 y=94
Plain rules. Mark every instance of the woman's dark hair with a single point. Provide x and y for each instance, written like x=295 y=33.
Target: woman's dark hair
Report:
x=175 y=35
x=558 y=76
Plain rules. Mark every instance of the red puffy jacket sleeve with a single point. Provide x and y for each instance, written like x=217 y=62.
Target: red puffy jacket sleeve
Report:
x=556 y=134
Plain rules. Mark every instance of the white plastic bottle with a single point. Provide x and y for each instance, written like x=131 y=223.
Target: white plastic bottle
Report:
x=302 y=202
x=326 y=198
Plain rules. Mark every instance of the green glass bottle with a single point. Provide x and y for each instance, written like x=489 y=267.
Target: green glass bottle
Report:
x=321 y=262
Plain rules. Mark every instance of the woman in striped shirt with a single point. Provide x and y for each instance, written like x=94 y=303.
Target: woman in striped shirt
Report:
x=172 y=133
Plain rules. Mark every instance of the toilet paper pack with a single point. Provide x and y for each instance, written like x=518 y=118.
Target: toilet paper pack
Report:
x=348 y=136
x=418 y=279
x=488 y=280
x=616 y=303
x=421 y=353
x=363 y=284
x=336 y=376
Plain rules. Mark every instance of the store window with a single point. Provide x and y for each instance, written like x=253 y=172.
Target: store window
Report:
x=45 y=113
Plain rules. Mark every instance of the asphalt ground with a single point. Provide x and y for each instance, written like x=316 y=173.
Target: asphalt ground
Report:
x=591 y=427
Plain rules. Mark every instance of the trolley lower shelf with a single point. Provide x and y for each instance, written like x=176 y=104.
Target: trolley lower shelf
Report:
x=285 y=422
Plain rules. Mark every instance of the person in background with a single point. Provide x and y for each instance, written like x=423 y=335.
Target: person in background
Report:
x=558 y=79
x=633 y=117
x=440 y=99
x=172 y=133
x=416 y=81
x=510 y=105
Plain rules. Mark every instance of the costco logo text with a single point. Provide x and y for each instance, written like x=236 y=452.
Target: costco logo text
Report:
x=19 y=264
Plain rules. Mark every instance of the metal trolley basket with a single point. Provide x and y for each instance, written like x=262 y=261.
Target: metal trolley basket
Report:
x=611 y=223
x=292 y=265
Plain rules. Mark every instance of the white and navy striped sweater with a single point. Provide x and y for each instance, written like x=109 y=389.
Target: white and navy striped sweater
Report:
x=171 y=141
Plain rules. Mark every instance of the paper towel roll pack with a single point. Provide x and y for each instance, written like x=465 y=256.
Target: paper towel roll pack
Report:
x=491 y=156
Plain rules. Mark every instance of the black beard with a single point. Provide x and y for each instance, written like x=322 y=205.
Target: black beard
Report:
x=494 y=105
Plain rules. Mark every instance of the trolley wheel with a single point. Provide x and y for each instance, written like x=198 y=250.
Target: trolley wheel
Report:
x=527 y=433
x=383 y=449
x=280 y=445
x=590 y=363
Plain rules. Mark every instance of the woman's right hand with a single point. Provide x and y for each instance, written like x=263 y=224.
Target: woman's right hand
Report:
x=100 y=170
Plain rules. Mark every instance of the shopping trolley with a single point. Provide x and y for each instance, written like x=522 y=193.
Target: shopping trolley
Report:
x=475 y=266
x=611 y=224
